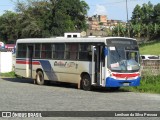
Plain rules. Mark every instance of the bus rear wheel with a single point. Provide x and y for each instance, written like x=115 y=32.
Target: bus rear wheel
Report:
x=40 y=78
x=86 y=83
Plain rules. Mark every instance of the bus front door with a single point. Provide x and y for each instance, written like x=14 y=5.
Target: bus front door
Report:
x=96 y=65
x=29 y=61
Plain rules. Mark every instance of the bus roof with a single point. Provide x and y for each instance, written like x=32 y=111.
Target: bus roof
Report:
x=69 y=40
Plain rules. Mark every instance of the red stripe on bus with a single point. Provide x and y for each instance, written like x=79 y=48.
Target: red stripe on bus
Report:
x=27 y=62
x=125 y=75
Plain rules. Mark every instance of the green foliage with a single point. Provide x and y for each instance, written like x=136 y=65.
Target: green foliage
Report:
x=43 y=18
x=119 y=30
x=68 y=16
x=157 y=13
x=145 y=21
x=8 y=28
x=147 y=48
x=136 y=15
x=149 y=84
x=136 y=30
x=101 y=23
x=9 y=74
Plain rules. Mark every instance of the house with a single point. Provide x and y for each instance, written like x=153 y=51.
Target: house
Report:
x=99 y=23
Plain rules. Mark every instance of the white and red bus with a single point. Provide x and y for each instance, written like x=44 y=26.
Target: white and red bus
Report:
x=107 y=62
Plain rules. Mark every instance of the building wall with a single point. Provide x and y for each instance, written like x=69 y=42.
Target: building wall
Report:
x=96 y=33
x=151 y=67
x=102 y=18
x=99 y=24
x=5 y=62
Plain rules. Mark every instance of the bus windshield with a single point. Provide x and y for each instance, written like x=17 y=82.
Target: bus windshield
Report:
x=123 y=59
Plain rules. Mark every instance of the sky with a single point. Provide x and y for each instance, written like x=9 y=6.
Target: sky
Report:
x=114 y=9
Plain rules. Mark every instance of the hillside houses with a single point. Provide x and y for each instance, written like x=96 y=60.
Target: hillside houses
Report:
x=97 y=25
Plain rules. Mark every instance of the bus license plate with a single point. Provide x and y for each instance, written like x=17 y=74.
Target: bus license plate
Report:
x=125 y=84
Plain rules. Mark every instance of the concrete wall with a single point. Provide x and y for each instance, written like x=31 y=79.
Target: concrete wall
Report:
x=5 y=62
x=151 y=67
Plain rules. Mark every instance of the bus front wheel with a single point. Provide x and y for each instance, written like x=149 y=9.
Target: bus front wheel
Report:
x=86 y=83
x=40 y=78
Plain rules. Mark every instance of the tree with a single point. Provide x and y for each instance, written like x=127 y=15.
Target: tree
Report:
x=136 y=30
x=147 y=14
x=52 y=17
x=34 y=17
x=157 y=20
x=136 y=15
x=119 y=30
x=69 y=15
x=157 y=13
x=145 y=21
x=8 y=26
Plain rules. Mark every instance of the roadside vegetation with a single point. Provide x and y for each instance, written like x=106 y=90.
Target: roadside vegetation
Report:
x=147 y=48
x=149 y=84
x=9 y=74
x=43 y=18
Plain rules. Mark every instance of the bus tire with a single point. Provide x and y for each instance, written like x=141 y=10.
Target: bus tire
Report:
x=40 y=78
x=114 y=88
x=47 y=82
x=86 y=83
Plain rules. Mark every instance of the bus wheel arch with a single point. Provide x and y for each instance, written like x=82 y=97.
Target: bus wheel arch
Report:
x=39 y=77
x=86 y=81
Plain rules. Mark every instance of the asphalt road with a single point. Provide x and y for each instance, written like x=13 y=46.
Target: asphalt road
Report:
x=23 y=95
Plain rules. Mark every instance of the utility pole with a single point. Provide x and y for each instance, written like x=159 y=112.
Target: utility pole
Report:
x=127 y=25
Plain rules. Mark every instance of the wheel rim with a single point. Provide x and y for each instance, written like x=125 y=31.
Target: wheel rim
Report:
x=39 y=78
x=85 y=82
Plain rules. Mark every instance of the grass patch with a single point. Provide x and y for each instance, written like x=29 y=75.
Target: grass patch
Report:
x=149 y=84
x=8 y=74
x=150 y=48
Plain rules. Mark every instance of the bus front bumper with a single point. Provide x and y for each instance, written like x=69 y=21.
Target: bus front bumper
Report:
x=111 y=82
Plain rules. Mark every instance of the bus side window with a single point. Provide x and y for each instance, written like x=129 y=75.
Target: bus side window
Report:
x=46 y=51
x=84 y=52
x=37 y=48
x=59 y=51
x=22 y=48
x=53 y=51
x=71 y=51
